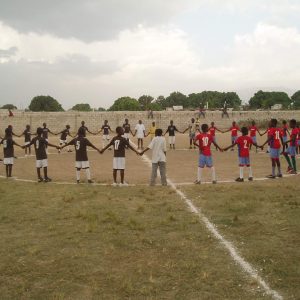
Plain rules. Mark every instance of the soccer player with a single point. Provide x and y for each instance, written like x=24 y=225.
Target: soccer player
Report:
x=244 y=142
x=45 y=134
x=253 y=130
x=212 y=130
x=85 y=128
x=159 y=150
x=82 y=162
x=285 y=131
x=234 y=132
x=291 y=150
x=275 y=140
x=192 y=132
x=40 y=144
x=268 y=132
x=140 y=133
x=8 y=150
x=119 y=144
x=205 y=159
x=127 y=130
x=63 y=138
x=106 y=130
x=152 y=131
x=27 y=137
x=171 y=130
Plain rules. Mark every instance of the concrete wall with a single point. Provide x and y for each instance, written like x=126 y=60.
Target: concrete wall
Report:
x=56 y=121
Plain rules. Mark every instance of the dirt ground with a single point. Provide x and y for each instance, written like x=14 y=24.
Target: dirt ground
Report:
x=181 y=163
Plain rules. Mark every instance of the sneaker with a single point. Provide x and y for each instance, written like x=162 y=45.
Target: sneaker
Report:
x=40 y=179
x=90 y=181
x=214 y=182
x=123 y=184
x=250 y=178
x=197 y=181
x=47 y=179
x=279 y=175
x=239 y=179
x=271 y=176
x=114 y=184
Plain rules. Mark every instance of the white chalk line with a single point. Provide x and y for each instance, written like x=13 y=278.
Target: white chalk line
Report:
x=246 y=267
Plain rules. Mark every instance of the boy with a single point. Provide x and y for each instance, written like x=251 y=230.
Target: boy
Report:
x=82 y=162
x=40 y=144
x=285 y=131
x=244 y=142
x=291 y=150
x=159 y=150
x=85 y=128
x=212 y=131
x=46 y=132
x=127 y=130
x=63 y=138
x=152 y=131
x=234 y=133
x=268 y=131
x=106 y=130
x=171 y=130
x=275 y=141
x=8 y=150
x=205 y=158
x=27 y=136
x=140 y=133
x=119 y=144
x=253 y=130
x=192 y=132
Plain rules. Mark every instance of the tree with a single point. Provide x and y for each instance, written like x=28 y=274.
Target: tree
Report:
x=296 y=100
x=82 y=107
x=125 y=103
x=101 y=109
x=145 y=102
x=176 y=99
x=8 y=106
x=45 y=103
x=265 y=100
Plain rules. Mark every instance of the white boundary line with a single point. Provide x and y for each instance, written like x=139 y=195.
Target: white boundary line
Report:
x=245 y=266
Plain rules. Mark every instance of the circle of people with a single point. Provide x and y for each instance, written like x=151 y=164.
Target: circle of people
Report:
x=283 y=140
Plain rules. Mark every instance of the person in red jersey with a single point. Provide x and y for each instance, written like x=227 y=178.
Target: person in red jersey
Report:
x=205 y=140
x=244 y=142
x=268 y=132
x=292 y=148
x=234 y=132
x=212 y=131
x=275 y=141
x=253 y=130
x=285 y=131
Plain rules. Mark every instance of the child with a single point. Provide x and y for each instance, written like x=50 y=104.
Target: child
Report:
x=244 y=142
x=234 y=133
x=152 y=131
x=253 y=130
x=40 y=144
x=127 y=130
x=268 y=131
x=140 y=133
x=192 y=132
x=119 y=144
x=46 y=132
x=105 y=138
x=82 y=162
x=171 y=130
x=285 y=131
x=27 y=136
x=85 y=128
x=8 y=149
x=291 y=150
x=275 y=140
x=159 y=149
x=63 y=138
x=212 y=131
x=205 y=158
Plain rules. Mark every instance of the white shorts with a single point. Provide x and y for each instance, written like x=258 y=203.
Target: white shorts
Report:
x=42 y=163
x=172 y=139
x=8 y=160
x=82 y=164
x=27 y=143
x=62 y=142
x=119 y=163
x=140 y=136
x=126 y=135
x=106 y=137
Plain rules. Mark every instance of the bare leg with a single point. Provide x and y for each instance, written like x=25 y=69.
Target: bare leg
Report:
x=115 y=175
x=122 y=173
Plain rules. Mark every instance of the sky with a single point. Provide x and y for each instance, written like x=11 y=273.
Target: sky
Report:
x=95 y=51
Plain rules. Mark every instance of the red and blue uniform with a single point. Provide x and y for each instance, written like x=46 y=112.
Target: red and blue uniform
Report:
x=292 y=149
x=205 y=141
x=234 y=133
x=275 y=142
x=244 y=142
x=252 y=131
x=284 y=133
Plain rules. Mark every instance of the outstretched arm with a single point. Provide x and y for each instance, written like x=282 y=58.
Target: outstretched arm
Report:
x=145 y=150
x=54 y=146
x=133 y=149
x=217 y=146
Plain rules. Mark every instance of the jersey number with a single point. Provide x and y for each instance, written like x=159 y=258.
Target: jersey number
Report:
x=37 y=144
x=117 y=144
x=205 y=141
x=77 y=145
x=277 y=135
x=4 y=144
x=245 y=144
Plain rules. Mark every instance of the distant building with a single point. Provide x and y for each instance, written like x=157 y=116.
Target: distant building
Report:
x=276 y=107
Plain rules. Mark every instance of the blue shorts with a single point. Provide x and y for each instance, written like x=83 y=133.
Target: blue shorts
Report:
x=233 y=139
x=274 y=153
x=205 y=160
x=291 y=150
x=192 y=136
x=254 y=139
x=244 y=161
x=284 y=138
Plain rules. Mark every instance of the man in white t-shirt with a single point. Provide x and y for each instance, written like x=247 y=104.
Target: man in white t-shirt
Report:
x=159 y=147
x=140 y=133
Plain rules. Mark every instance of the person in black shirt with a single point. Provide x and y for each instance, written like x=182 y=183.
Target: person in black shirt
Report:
x=171 y=130
x=85 y=128
x=40 y=144
x=119 y=144
x=45 y=133
x=106 y=130
x=27 y=139
x=82 y=162
x=8 y=149
x=127 y=130
x=63 y=137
